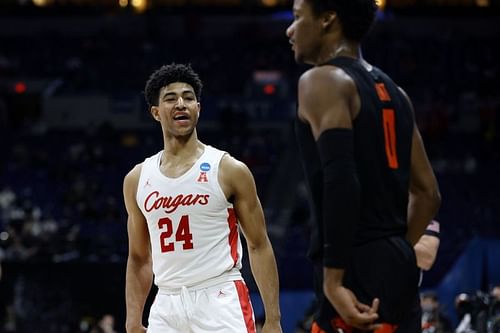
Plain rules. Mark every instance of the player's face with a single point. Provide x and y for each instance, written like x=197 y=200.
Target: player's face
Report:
x=304 y=32
x=178 y=109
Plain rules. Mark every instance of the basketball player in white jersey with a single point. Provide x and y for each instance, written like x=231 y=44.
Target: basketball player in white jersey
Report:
x=186 y=205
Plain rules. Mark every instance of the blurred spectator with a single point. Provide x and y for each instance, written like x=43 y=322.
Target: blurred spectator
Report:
x=494 y=317
x=105 y=325
x=433 y=319
x=479 y=312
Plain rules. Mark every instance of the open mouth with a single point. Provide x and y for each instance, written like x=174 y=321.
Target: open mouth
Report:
x=181 y=117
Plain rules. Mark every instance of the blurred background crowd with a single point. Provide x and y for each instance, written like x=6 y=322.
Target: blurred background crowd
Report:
x=73 y=122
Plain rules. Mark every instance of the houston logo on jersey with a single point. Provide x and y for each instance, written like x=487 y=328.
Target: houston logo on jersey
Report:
x=170 y=203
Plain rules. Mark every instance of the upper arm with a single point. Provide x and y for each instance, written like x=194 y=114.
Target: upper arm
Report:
x=239 y=184
x=138 y=233
x=422 y=178
x=327 y=99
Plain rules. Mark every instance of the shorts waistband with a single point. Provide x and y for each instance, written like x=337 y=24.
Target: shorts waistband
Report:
x=232 y=275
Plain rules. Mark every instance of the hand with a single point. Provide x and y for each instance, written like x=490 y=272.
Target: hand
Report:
x=136 y=329
x=426 y=251
x=353 y=312
x=271 y=326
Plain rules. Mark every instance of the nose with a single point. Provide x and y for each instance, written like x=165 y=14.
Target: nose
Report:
x=289 y=31
x=180 y=103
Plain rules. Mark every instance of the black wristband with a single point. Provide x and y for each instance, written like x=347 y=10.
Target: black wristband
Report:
x=433 y=229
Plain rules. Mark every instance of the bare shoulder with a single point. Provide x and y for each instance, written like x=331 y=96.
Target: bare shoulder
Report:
x=132 y=177
x=407 y=98
x=234 y=176
x=328 y=98
x=403 y=92
x=130 y=184
x=233 y=168
x=322 y=87
x=324 y=78
x=236 y=180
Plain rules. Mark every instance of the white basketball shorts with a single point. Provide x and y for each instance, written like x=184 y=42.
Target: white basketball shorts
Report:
x=222 y=308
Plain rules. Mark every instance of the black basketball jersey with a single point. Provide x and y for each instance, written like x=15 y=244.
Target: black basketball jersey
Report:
x=383 y=133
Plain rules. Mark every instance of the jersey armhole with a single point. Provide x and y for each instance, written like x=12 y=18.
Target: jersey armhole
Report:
x=220 y=191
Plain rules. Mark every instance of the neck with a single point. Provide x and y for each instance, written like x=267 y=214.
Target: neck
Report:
x=181 y=146
x=342 y=48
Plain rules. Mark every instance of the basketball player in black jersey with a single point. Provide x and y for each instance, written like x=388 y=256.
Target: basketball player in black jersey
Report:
x=371 y=183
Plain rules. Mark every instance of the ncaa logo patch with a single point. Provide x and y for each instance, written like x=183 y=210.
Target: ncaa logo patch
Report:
x=205 y=166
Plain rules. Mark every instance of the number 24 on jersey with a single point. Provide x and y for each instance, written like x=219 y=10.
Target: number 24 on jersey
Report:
x=182 y=234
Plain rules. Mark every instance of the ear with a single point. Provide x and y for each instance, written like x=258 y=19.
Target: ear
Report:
x=155 y=112
x=328 y=19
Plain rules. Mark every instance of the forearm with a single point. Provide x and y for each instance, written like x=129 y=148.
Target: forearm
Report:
x=265 y=273
x=332 y=280
x=139 y=278
x=421 y=210
x=333 y=276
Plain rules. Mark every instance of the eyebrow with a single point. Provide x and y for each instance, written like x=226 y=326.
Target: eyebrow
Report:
x=184 y=92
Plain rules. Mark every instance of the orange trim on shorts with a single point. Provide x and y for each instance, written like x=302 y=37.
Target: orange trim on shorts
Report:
x=338 y=322
x=386 y=328
x=315 y=328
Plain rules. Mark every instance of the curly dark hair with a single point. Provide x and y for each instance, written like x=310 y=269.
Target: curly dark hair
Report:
x=167 y=74
x=356 y=16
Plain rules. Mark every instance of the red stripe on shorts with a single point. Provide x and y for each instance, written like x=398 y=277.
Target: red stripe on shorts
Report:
x=233 y=234
x=246 y=306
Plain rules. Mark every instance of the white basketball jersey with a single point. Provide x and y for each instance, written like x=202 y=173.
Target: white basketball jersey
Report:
x=193 y=229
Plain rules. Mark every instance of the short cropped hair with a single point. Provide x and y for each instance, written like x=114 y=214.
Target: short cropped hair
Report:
x=356 y=16
x=168 y=74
